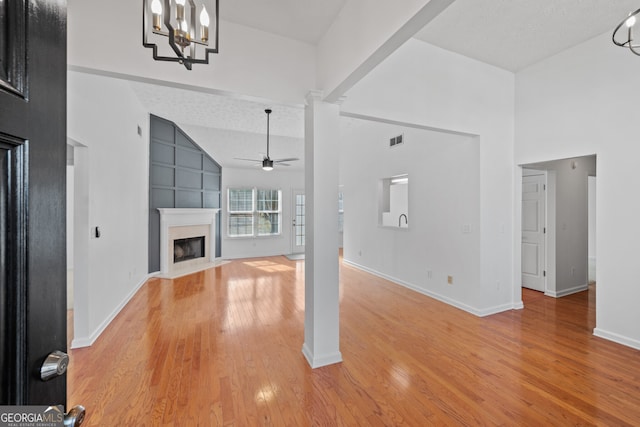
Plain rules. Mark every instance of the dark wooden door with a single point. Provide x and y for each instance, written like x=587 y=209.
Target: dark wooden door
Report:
x=32 y=198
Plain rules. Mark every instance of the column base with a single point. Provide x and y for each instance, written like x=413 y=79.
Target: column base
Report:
x=318 y=361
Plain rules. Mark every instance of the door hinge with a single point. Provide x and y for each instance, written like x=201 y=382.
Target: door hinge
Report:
x=544 y=273
x=544 y=187
x=544 y=230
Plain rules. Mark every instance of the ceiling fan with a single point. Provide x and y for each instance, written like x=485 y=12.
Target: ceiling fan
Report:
x=268 y=162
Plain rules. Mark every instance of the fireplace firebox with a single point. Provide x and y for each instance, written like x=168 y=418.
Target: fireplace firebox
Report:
x=189 y=248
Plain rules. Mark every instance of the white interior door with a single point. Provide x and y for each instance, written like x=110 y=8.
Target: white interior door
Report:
x=533 y=232
x=297 y=244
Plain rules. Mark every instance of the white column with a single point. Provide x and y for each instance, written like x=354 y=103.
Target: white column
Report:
x=321 y=320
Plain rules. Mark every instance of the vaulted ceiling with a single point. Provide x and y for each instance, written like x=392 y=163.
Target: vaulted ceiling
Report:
x=510 y=34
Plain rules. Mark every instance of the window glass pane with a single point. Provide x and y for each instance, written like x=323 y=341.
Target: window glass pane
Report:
x=268 y=223
x=269 y=200
x=340 y=212
x=240 y=224
x=240 y=200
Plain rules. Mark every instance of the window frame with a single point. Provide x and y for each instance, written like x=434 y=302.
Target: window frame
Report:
x=255 y=213
x=232 y=213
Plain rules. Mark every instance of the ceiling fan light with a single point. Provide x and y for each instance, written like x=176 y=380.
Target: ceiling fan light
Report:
x=267 y=164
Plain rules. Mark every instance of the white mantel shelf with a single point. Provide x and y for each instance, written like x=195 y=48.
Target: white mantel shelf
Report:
x=184 y=217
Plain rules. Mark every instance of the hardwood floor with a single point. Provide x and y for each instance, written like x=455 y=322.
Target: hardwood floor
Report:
x=223 y=348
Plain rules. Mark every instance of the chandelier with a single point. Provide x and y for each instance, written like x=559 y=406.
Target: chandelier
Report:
x=629 y=24
x=184 y=31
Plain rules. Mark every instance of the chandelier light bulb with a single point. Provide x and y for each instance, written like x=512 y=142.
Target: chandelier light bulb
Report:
x=204 y=17
x=156 y=7
x=630 y=22
x=204 y=25
x=156 y=11
x=180 y=2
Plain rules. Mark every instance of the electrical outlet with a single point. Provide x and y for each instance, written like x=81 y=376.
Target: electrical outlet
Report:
x=450 y=280
x=429 y=274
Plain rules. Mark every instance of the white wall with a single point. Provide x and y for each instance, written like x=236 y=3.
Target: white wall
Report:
x=592 y=217
x=572 y=224
x=106 y=36
x=443 y=198
x=242 y=247
x=103 y=115
x=582 y=101
x=425 y=85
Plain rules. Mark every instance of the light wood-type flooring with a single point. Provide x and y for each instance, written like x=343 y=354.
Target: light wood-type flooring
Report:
x=223 y=348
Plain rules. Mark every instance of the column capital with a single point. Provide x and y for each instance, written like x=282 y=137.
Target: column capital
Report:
x=313 y=96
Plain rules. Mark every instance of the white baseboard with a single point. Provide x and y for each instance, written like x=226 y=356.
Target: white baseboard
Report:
x=455 y=303
x=565 y=292
x=322 y=360
x=620 y=339
x=87 y=341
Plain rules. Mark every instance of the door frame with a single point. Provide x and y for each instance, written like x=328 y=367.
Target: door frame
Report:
x=550 y=240
x=80 y=244
x=537 y=282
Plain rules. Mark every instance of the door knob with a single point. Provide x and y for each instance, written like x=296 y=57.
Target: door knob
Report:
x=54 y=365
x=75 y=416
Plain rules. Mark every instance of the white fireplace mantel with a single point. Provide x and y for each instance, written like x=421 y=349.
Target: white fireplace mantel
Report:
x=183 y=217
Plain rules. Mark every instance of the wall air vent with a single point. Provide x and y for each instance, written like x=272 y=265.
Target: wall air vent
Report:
x=396 y=140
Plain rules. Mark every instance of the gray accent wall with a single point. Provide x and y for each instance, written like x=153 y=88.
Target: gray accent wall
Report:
x=181 y=175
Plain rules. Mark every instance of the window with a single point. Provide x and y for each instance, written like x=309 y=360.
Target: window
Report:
x=254 y=212
x=240 y=208
x=268 y=212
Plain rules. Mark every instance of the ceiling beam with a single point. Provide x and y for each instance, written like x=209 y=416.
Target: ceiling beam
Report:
x=362 y=37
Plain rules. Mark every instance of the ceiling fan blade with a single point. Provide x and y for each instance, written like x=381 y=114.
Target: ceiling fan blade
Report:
x=248 y=160
x=290 y=159
x=283 y=164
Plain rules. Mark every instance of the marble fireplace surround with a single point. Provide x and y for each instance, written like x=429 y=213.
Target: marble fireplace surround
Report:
x=181 y=223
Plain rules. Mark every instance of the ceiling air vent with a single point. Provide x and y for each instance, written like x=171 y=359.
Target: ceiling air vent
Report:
x=396 y=140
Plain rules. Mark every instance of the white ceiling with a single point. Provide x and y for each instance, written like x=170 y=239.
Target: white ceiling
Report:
x=513 y=34
x=228 y=127
x=304 y=20
x=190 y=107
x=509 y=34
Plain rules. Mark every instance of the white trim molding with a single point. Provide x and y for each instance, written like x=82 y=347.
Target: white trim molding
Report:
x=185 y=217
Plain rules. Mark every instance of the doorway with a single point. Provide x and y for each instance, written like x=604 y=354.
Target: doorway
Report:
x=566 y=256
x=77 y=241
x=298 y=222
x=534 y=228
